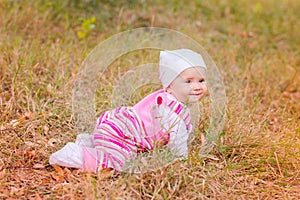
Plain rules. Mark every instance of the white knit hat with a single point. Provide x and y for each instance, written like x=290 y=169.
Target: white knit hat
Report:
x=172 y=63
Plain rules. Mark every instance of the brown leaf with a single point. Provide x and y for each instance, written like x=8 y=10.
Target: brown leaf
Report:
x=292 y=89
x=251 y=35
x=244 y=34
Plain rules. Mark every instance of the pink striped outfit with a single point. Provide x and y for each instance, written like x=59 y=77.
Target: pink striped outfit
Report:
x=125 y=131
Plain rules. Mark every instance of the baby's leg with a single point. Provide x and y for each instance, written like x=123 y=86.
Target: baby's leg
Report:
x=113 y=152
x=85 y=158
x=114 y=138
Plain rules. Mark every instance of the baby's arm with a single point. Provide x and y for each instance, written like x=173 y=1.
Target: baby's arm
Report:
x=171 y=123
x=178 y=140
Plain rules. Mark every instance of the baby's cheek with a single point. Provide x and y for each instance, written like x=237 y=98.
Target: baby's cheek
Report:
x=205 y=91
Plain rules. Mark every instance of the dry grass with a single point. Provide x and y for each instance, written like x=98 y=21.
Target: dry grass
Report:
x=256 y=46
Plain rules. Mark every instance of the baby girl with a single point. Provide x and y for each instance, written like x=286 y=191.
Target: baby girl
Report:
x=161 y=118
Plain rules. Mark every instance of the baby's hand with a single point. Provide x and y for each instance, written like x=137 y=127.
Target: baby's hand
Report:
x=161 y=138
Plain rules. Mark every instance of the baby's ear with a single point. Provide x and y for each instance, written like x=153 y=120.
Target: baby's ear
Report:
x=168 y=90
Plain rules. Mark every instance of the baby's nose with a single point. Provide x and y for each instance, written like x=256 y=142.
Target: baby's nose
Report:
x=196 y=86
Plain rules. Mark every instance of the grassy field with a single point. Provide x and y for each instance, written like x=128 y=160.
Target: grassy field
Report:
x=256 y=46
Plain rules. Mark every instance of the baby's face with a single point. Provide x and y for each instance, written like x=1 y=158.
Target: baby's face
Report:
x=190 y=85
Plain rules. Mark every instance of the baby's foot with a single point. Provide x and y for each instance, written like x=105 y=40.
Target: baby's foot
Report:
x=70 y=155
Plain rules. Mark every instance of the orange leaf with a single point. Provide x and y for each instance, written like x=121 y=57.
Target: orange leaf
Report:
x=26 y=116
x=58 y=169
x=57 y=177
x=44 y=182
x=106 y=173
x=105 y=170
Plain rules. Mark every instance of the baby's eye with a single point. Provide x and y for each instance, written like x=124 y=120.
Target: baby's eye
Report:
x=201 y=80
x=188 y=81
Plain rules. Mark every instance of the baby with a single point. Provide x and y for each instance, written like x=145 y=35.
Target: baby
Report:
x=161 y=118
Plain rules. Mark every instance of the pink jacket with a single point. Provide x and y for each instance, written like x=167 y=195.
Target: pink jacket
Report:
x=148 y=111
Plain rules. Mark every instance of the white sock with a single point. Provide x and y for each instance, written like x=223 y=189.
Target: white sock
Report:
x=69 y=156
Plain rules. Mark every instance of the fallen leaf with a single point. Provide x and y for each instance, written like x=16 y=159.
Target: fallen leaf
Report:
x=292 y=89
x=105 y=170
x=26 y=116
x=251 y=35
x=244 y=34
x=106 y=173
x=38 y=166
x=58 y=175
x=29 y=115
x=58 y=169
x=285 y=94
x=296 y=95
x=68 y=174
x=44 y=182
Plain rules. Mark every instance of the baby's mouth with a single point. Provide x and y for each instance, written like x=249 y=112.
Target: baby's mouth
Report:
x=195 y=94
